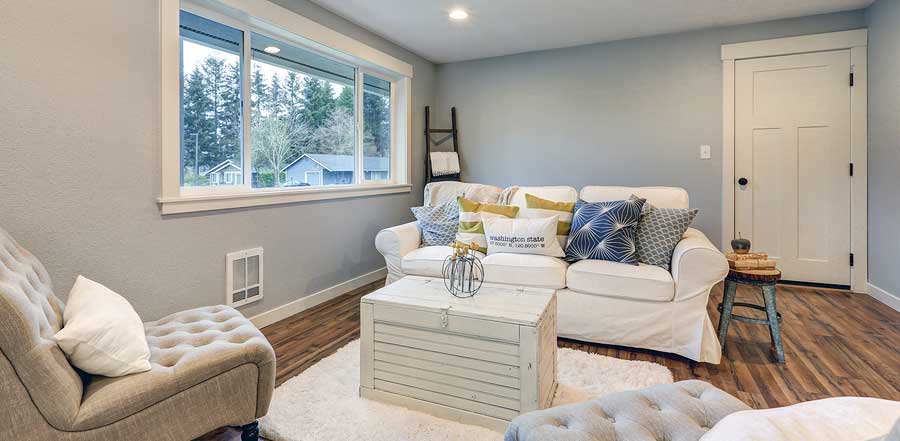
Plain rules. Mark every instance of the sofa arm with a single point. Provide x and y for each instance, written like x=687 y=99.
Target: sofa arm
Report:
x=697 y=265
x=394 y=243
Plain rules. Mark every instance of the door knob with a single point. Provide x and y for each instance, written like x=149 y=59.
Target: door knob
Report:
x=743 y=181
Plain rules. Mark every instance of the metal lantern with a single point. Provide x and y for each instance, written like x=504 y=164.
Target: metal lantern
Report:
x=462 y=271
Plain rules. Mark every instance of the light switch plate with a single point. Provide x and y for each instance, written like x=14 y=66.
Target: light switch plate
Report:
x=705 y=152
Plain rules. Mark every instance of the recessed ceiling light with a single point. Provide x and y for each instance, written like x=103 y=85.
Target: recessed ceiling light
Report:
x=271 y=50
x=459 y=14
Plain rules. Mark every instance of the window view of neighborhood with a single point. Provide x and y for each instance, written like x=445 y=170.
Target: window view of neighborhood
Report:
x=302 y=122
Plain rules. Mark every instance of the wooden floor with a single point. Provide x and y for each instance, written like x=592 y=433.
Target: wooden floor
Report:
x=836 y=343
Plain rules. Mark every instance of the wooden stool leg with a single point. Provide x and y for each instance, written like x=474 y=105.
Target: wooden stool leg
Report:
x=727 y=306
x=772 y=316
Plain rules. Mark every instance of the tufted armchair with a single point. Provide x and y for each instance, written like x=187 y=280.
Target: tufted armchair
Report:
x=210 y=368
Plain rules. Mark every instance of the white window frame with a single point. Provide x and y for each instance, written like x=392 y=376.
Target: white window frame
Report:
x=274 y=21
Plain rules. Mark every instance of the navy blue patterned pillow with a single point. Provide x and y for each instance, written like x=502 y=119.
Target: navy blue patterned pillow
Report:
x=605 y=231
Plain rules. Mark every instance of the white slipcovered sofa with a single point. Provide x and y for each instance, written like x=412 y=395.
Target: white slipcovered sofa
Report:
x=599 y=301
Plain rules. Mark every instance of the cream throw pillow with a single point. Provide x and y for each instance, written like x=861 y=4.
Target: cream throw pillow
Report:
x=471 y=215
x=102 y=334
x=523 y=236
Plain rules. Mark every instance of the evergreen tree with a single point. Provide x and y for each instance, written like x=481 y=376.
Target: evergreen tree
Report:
x=198 y=129
x=216 y=83
x=293 y=96
x=293 y=107
x=258 y=94
x=345 y=99
x=230 y=116
x=275 y=101
x=318 y=102
x=377 y=124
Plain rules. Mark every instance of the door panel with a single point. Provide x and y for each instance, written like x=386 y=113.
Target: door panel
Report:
x=792 y=142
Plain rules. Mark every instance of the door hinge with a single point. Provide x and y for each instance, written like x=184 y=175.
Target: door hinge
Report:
x=851 y=169
x=851 y=79
x=851 y=259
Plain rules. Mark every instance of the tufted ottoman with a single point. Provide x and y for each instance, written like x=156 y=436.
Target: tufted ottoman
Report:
x=683 y=411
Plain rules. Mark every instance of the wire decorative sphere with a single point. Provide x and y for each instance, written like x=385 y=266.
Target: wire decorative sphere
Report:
x=462 y=271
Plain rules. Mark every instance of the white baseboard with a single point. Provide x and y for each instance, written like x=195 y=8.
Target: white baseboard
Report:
x=884 y=297
x=284 y=311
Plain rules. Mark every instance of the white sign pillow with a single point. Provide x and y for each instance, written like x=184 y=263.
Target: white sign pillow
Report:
x=102 y=334
x=522 y=236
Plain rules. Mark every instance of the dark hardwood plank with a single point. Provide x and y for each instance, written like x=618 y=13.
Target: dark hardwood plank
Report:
x=836 y=343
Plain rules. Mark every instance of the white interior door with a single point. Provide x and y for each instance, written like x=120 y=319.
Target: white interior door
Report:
x=792 y=146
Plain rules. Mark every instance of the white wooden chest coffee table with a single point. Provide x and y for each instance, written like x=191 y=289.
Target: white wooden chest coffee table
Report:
x=481 y=360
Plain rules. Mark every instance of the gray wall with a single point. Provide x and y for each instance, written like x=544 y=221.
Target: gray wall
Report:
x=631 y=112
x=80 y=168
x=884 y=144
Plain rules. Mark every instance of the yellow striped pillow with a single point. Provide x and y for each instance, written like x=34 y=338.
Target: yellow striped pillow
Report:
x=471 y=213
x=536 y=208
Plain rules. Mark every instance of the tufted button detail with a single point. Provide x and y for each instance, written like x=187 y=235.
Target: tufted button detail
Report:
x=192 y=335
x=237 y=339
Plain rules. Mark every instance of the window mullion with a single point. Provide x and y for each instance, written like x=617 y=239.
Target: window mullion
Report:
x=360 y=135
x=395 y=149
x=246 y=61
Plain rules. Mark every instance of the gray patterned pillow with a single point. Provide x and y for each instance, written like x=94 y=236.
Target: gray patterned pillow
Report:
x=439 y=224
x=659 y=231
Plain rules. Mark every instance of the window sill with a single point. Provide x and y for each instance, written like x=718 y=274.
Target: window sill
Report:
x=191 y=204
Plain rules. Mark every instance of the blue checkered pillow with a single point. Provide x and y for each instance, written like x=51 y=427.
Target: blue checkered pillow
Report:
x=439 y=224
x=605 y=231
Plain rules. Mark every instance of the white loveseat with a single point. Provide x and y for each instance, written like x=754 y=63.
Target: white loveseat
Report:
x=605 y=302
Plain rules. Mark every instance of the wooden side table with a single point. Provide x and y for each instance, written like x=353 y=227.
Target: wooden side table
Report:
x=766 y=280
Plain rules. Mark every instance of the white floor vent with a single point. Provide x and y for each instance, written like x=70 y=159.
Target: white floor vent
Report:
x=244 y=277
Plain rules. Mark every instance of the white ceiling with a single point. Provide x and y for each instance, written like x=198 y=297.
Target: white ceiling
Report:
x=502 y=27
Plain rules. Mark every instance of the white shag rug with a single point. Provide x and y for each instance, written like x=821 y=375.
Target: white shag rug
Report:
x=323 y=403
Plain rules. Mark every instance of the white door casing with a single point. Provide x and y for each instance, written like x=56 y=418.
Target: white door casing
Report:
x=856 y=42
x=792 y=145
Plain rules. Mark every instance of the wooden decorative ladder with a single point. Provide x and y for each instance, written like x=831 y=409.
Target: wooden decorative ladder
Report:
x=449 y=134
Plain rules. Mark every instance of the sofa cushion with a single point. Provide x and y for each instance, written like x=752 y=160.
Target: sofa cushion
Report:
x=437 y=193
x=427 y=261
x=613 y=279
x=516 y=195
x=525 y=269
x=662 y=197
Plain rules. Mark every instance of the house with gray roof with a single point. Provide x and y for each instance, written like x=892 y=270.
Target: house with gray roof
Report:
x=323 y=169
x=224 y=173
